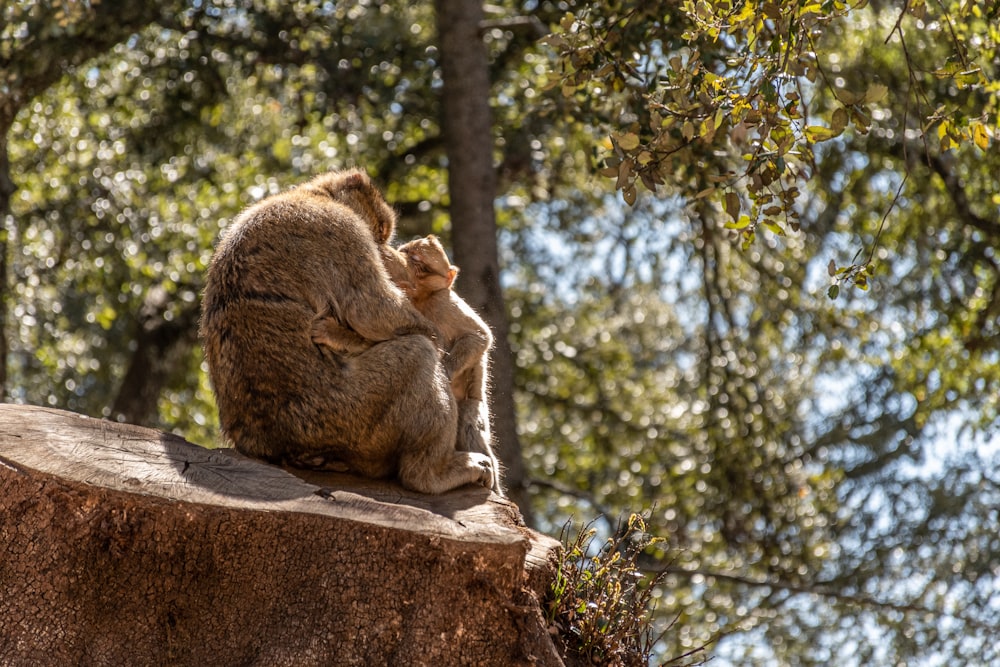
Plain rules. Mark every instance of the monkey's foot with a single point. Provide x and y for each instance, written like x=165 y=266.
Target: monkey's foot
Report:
x=485 y=465
x=318 y=462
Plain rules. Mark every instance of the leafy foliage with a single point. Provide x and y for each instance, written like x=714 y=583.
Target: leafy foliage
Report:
x=601 y=601
x=736 y=96
x=821 y=469
x=129 y=169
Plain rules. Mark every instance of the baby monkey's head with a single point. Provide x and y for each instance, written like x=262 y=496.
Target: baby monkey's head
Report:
x=428 y=264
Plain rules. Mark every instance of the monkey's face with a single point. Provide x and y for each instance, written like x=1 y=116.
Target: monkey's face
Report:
x=428 y=263
x=373 y=209
x=355 y=190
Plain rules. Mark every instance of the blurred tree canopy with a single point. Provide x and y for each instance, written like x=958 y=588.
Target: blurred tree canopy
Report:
x=780 y=340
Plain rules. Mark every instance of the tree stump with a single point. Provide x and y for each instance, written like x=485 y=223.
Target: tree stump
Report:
x=122 y=545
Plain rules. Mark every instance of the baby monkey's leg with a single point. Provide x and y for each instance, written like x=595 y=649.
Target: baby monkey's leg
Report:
x=474 y=436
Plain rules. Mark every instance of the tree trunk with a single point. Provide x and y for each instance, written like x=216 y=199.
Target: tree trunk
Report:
x=126 y=545
x=468 y=131
x=7 y=190
x=35 y=60
x=161 y=345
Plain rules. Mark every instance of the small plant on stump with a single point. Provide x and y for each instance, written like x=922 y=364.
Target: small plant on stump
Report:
x=601 y=602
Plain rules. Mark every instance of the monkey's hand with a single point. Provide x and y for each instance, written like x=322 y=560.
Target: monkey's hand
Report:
x=409 y=289
x=326 y=331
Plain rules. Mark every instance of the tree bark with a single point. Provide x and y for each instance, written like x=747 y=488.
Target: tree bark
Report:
x=161 y=344
x=126 y=545
x=468 y=131
x=6 y=193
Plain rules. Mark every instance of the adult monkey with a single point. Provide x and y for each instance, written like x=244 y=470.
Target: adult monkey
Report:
x=288 y=266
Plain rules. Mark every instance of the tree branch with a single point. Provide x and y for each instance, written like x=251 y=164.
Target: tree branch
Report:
x=567 y=490
x=956 y=191
x=43 y=56
x=821 y=589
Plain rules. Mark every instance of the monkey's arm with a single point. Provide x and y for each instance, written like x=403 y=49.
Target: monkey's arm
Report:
x=465 y=352
x=379 y=311
x=353 y=286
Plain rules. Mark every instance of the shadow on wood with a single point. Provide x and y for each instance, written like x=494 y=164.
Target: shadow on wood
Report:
x=126 y=545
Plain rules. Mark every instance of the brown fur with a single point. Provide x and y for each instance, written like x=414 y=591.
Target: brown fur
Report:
x=292 y=268
x=465 y=341
x=465 y=337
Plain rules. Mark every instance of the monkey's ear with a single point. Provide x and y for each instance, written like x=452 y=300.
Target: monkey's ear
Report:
x=355 y=178
x=386 y=232
x=452 y=274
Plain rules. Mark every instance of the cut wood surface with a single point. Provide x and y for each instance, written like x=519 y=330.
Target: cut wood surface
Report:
x=123 y=545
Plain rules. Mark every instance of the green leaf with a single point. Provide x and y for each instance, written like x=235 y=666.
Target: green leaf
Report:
x=628 y=141
x=839 y=121
x=818 y=133
x=106 y=317
x=742 y=223
x=876 y=93
x=773 y=227
x=980 y=135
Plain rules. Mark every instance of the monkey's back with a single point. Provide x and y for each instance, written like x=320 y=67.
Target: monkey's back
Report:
x=277 y=267
x=454 y=317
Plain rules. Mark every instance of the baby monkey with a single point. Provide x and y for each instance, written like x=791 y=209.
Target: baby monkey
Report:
x=465 y=337
x=422 y=269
